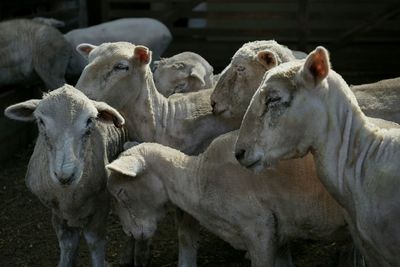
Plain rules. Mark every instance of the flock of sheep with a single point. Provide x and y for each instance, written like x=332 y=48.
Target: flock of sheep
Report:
x=274 y=148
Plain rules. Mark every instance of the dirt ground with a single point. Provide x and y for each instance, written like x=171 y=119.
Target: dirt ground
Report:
x=27 y=237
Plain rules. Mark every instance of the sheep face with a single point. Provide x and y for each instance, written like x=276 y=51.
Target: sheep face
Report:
x=141 y=201
x=239 y=81
x=285 y=114
x=113 y=68
x=66 y=119
x=182 y=73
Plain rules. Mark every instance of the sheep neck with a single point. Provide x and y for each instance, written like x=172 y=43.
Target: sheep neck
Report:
x=347 y=148
x=148 y=111
x=179 y=174
x=40 y=183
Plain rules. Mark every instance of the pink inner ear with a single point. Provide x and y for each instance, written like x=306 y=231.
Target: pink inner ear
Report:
x=107 y=117
x=268 y=58
x=142 y=54
x=319 y=67
x=86 y=49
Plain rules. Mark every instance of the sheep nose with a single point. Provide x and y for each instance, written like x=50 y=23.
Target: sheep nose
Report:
x=239 y=154
x=64 y=180
x=213 y=104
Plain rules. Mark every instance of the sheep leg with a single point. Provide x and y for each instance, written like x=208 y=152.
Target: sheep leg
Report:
x=262 y=244
x=142 y=252
x=127 y=256
x=68 y=240
x=284 y=257
x=262 y=255
x=188 y=236
x=350 y=256
x=136 y=253
x=95 y=236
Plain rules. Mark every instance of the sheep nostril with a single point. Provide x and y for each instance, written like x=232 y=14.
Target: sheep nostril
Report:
x=239 y=154
x=67 y=180
x=213 y=104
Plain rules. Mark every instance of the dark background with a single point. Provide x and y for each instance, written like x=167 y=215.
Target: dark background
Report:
x=362 y=36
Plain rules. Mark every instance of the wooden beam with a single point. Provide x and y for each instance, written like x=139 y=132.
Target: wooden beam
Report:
x=303 y=18
x=173 y=14
x=387 y=13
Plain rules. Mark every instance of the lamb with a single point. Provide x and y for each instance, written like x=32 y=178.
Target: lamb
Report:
x=306 y=106
x=242 y=208
x=30 y=49
x=182 y=73
x=242 y=77
x=146 y=31
x=67 y=168
x=119 y=74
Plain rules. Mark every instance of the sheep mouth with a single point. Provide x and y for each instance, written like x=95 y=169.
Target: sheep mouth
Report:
x=221 y=112
x=253 y=165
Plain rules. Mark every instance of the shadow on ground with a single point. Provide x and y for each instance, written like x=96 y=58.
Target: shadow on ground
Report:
x=27 y=237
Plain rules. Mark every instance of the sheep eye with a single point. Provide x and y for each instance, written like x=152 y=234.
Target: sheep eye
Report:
x=240 y=68
x=181 y=85
x=272 y=100
x=41 y=122
x=89 y=122
x=121 y=66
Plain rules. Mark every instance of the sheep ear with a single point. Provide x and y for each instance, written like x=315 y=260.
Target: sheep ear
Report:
x=22 y=111
x=156 y=63
x=199 y=73
x=108 y=114
x=127 y=165
x=142 y=54
x=50 y=21
x=267 y=58
x=85 y=49
x=130 y=144
x=317 y=65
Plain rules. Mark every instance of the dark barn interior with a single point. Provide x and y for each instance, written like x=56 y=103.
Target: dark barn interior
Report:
x=363 y=38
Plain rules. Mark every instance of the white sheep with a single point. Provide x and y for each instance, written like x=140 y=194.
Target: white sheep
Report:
x=379 y=99
x=306 y=106
x=67 y=168
x=30 y=49
x=119 y=74
x=257 y=213
x=145 y=31
x=241 y=78
x=182 y=73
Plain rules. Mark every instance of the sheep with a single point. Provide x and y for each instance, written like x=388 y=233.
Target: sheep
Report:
x=306 y=106
x=379 y=99
x=182 y=73
x=146 y=31
x=241 y=78
x=31 y=49
x=119 y=74
x=257 y=213
x=50 y=21
x=67 y=168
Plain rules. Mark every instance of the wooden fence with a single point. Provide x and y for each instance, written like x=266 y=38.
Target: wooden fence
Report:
x=72 y=12
x=15 y=135
x=363 y=36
